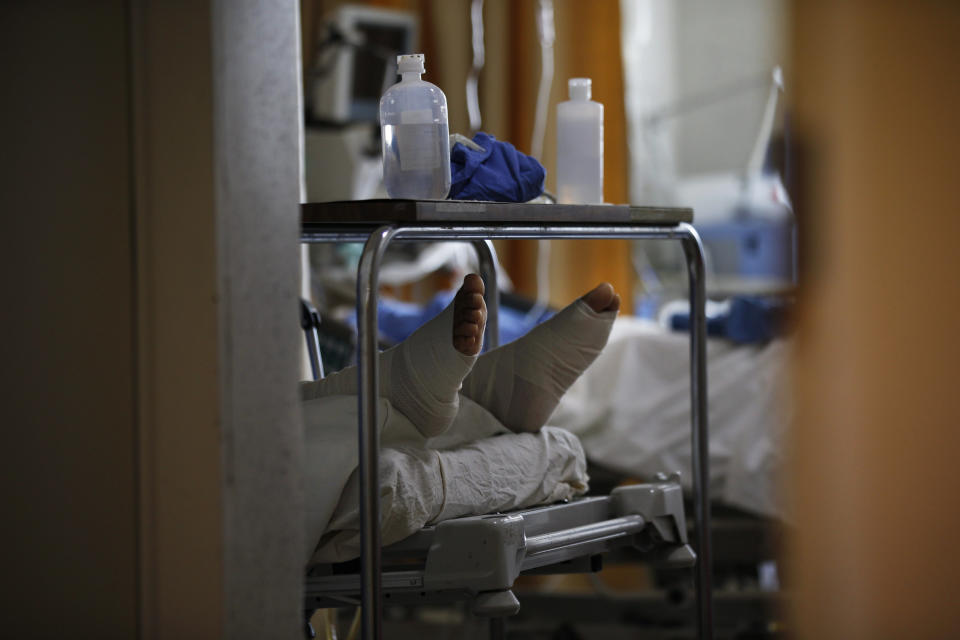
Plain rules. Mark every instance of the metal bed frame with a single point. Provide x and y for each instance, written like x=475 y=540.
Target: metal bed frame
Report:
x=478 y=558
x=378 y=223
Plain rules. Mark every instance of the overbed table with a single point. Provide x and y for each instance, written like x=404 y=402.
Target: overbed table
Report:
x=378 y=223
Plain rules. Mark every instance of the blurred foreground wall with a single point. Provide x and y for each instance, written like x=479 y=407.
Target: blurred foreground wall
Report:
x=875 y=473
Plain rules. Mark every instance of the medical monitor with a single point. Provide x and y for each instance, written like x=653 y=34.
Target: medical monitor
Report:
x=356 y=61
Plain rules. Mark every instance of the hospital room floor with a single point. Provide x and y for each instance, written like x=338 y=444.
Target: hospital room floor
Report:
x=546 y=629
x=568 y=607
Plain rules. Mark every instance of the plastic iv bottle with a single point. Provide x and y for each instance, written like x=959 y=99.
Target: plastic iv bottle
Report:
x=579 y=146
x=413 y=121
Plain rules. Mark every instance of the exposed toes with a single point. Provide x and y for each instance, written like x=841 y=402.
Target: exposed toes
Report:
x=468 y=346
x=474 y=315
x=614 y=304
x=472 y=283
x=467 y=329
x=469 y=316
x=470 y=301
x=603 y=298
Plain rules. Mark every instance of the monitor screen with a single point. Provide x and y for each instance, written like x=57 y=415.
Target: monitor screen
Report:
x=350 y=77
x=375 y=67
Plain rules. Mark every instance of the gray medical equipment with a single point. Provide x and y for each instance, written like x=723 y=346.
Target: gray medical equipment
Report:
x=744 y=216
x=355 y=62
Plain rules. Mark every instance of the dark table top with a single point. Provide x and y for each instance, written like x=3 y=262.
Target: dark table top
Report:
x=376 y=212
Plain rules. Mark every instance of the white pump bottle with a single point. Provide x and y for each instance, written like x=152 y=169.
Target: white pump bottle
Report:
x=415 y=133
x=580 y=146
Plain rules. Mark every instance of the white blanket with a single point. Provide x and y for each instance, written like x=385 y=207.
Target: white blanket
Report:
x=476 y=467
x=631 y=410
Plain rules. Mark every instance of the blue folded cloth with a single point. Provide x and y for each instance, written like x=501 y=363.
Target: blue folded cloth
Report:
x=499 y=173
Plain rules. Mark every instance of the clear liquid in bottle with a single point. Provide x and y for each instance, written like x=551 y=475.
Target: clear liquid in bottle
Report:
x=416 y=161
x=580 y=146
x=415 y=134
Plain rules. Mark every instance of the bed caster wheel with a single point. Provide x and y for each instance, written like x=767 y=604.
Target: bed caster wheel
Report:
x=496 y=603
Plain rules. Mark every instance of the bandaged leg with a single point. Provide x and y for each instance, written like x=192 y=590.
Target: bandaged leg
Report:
x=421 y=376
x=522 y=382
x=425 y=486
x=411 y=494
x=512 y=471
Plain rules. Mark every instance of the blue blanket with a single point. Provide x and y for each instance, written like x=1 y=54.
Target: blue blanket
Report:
x=397 y=320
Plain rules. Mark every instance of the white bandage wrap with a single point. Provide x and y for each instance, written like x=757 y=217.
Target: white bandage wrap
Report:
x=420 y=486
x=522 y=382
x=420 y=377
x=512 y=471
x=411 y=494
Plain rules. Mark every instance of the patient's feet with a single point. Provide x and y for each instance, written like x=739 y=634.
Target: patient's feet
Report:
x=469 y=316
x=602 y=298
x=522 y=382
x=422 y=375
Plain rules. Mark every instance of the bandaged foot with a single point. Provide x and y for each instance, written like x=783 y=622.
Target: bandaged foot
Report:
x=421 y=376
x=521 y=383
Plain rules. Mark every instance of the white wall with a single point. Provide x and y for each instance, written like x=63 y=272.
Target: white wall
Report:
x=676 y=49
x=257 y=134
x=719 y=43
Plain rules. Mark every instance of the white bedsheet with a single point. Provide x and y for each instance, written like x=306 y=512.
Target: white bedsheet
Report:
x=476 y=467
x=631 y=410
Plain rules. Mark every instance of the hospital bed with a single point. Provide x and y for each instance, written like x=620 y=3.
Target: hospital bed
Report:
x=478 y=558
